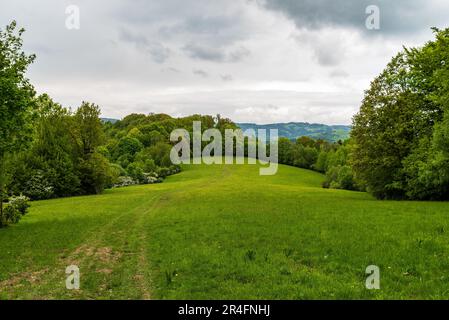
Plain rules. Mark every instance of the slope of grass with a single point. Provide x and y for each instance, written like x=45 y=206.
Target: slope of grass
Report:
x=225 y=232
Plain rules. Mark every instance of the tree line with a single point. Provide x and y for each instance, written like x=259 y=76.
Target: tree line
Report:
x=49 y=151
x=399 y=142
x=398 y=148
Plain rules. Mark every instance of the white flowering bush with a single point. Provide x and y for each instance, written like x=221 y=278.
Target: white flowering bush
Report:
x=20 y=203
x=14 y=210
x=151 y=177
x=124 y=181
x=38 y=187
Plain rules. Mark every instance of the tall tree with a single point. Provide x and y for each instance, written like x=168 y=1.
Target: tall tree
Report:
x=16 y=98
x=88 y=134
x=397 y=133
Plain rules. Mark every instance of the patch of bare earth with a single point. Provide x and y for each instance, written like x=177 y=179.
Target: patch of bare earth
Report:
x=17 y=279
x=105 y=255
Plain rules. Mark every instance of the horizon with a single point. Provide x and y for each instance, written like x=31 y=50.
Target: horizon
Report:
x=254 y=123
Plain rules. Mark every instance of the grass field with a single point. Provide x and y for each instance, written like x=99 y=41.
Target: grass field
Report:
x=225 y=232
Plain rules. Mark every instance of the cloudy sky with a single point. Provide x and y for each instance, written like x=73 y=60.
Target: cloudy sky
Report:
x=251 y=60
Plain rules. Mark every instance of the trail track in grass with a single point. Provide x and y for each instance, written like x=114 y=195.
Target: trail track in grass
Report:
x=225 y=232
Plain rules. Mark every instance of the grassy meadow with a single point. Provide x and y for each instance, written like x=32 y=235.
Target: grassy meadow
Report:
x=224 y=232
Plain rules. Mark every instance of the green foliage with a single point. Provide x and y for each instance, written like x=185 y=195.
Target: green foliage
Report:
x=16 y=99
x=10 y=215
x=400 y=134
x=92 y=166
x=302 y=153
x=293 y=130
x=127 y=146
x=38 y=187
x=340 y=177
x=20 y=203
x=14 y=210
x=136 y=172
x=16 y=92
x=427 y=167
x=94 y=173
x=319 y=155
x=321 y=163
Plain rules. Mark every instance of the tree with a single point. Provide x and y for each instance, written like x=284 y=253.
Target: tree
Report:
x=384 y=130
x=127 y=146
x=88 y=129
x=88 y=135
x=397 y=133
x=16 y=98
x=51 y=153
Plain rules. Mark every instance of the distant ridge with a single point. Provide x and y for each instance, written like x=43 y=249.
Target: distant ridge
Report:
x=293 y=130
x=109 y=120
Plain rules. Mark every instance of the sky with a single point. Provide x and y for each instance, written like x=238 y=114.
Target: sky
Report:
x=260 y=61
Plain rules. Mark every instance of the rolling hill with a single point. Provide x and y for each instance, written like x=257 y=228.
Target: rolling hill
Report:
x=293 y=130
x=223 y=231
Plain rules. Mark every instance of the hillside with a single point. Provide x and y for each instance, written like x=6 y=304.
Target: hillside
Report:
x=223 y=231
x=293 y=130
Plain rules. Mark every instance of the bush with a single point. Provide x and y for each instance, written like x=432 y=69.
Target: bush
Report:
x=20 y=203
x=136 y=172
x=151 y=177
x=164 y=172
x=339 y=177
x=124 y=181
x=14 y=210
x=38 y=187
x=10 y=215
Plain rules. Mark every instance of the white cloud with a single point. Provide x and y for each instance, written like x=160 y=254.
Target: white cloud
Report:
x=247 y=61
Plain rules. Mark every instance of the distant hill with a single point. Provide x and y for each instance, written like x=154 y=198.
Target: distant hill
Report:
x=293 y=130
x=109 y=120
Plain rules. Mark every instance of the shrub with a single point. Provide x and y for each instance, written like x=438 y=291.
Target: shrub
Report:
x=339 y=177
x=38 y=187
x=124 y=181
x=14 y=210
x=136 y=172
x=164 y=172
x=20 y=203
x=10 y=215
x=151 y=177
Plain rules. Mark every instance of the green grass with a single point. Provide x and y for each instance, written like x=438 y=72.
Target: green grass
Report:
x=225 y=232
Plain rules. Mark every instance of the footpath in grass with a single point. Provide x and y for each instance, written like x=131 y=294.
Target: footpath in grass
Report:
x=224 y=232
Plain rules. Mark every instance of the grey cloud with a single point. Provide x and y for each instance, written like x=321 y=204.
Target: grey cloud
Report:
x=238 y=54
x=201 y=25
x=226 y=77
x=396 y=16
x=215 y=54
x=204 y=53
x=215 y=22
x=200 y=73
x=326 y=57
x=156 y=50
x=171 y=69
x=328 y=50
x=115 y=74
